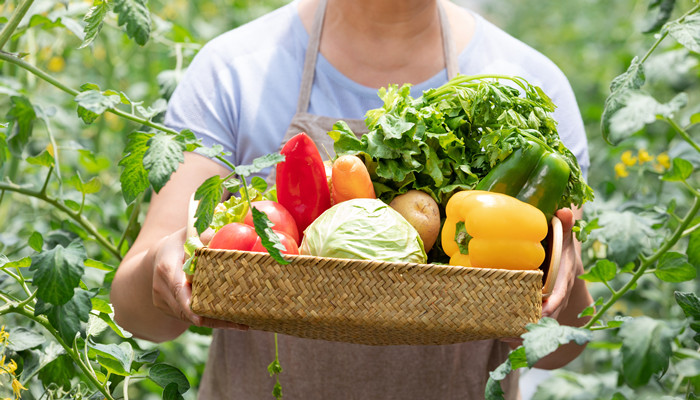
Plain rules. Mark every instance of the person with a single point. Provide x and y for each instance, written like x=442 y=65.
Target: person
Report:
x=300 y=68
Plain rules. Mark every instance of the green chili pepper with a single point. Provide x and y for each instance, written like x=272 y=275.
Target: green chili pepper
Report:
x=533 y=174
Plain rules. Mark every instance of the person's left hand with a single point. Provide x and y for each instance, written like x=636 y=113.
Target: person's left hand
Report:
x=570 y=267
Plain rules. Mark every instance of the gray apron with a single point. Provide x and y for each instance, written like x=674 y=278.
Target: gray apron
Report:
x=316 y=369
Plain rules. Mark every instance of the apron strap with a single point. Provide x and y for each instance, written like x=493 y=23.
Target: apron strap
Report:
x=307 y=77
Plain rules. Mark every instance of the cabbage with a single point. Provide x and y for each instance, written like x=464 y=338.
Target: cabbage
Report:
x=363 y=229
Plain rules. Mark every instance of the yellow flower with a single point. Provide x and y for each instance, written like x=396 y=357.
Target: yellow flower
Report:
x=621 y=170
x=56 y=64
x=16 y=387
x=644 y=156
x=628 y=159
x=664 y=160
x=3 y=335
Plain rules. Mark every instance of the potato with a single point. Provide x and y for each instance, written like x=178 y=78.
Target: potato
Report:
x=421 y=211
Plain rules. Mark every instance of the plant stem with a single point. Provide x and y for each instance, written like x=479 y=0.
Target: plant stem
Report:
x=14 y=21
x=132 y=219
x=683 y=134
x=50 y=79
x=648 y=262
x=43 y=321
x=81 y=220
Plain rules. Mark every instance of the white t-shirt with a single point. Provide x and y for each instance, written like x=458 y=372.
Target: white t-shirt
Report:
x=241 y=89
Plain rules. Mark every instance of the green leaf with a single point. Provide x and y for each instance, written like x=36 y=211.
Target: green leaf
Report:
x=633 y=78
x=646 y=349
x=36 y=241
x=693 y=249
x=148 y=357
x=57 y=272
x=164 y=374
x=602 y=271
x=45 y=159
x=107 y=318
x=171 y=392
x=689 y=303
x=22 y=338
x=680 y=170
x=115 y=358
x=209 y=195
x=94 y=19
x=92 y=186
x=134 y=14
x=134 y=177
x=659 y=12
x=91 y=263
x=547 y=335
x=60 y=371
x=96 y=103
x=687 y=32
x=259 y=164
x=268 y=237
x=101 y=305
x=637 y=110
x=162 y=158
x=21 y=116
x=66 y=318
x=674 y=267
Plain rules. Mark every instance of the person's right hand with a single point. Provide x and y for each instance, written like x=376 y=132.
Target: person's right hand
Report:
x=172 y=293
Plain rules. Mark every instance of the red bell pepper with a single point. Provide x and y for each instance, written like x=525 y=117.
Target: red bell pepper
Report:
x=302 y=187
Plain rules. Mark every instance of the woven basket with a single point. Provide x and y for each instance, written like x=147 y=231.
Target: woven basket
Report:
x=365 y=302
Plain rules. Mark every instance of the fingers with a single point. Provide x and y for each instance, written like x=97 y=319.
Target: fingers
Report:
x=566 y=216
x=172 y=294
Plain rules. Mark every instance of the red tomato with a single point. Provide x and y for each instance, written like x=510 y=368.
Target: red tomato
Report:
x=287 y=240
x=234 y=236
x=281 y=218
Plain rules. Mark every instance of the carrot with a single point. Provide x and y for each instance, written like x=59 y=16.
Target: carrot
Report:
x=350 y=180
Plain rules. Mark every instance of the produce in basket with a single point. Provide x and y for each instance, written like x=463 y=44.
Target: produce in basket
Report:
x=363 y=229
x=350 y=180
x=451 y=137
x=421 y=211
x=493 y=230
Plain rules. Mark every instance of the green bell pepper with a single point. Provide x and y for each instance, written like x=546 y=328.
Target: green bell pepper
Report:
x=533 y=174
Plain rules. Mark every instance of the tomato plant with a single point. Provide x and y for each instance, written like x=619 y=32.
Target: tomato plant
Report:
x=281 y=219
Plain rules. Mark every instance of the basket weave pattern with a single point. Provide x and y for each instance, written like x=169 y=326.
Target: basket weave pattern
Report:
x=365 y=302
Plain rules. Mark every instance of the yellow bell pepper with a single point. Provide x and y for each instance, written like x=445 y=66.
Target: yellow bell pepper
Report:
x=493 y=230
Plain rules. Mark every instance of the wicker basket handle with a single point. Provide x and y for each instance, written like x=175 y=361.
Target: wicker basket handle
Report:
x=555 y=246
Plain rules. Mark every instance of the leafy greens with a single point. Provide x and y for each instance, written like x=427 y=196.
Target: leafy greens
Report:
x=450 y=137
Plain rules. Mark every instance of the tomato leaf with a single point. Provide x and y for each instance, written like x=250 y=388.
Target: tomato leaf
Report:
x=135 y=17
x=689 y=303
x=638 y=109
x=134 y=177
x=674 y=267
x=646 y=348
x=22 y=338
x=209 y=194
x=36 y=241
x=164 y=374
x=116 y=359
x=45 y=159
x=66 y=318
x=58 y=271
x=680 y=170
x=547 y=335
x=259 y=164
x=269 y=239
x=693 y=249
x=658 y=14
x=687 y=32
x=602 y=271
x=162 y=158
x=96 y=103
x=94 y=19
x=170 y=392
x=21 y=117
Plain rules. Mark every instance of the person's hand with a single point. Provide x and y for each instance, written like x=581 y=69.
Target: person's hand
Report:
x=171 y=291
x=569 y=269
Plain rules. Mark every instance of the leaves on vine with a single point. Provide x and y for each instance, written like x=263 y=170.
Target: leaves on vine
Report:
x=115 y=358
x=687 y=32
x=67 y=317
x=57 y=272
x=674 y=267
x=94 y=20
x=680 y=170
x=209 y=194
x=93 y=103
x=646 y=348
x=135 y=16
x=134 y=177
x=21 y=117
x=690 y=304
x=22 y=339
x=602 y=271
x=162 y=158
x=659 y=13
x=164 y=375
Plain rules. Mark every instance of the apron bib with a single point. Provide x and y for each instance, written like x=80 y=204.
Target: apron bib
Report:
x=318 y=126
